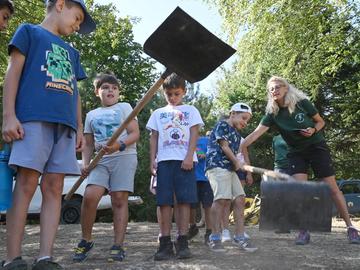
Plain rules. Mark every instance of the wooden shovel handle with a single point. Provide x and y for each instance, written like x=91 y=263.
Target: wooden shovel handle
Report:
x=141 y=104
x=270 y=173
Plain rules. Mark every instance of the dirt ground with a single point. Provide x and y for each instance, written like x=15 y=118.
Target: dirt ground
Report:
x=276 y=251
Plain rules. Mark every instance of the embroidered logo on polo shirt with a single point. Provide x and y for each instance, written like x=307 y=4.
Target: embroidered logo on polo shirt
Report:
x=300 y=117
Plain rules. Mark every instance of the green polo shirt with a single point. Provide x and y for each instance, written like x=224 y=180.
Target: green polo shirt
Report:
x=289 y=125
x=281 y=150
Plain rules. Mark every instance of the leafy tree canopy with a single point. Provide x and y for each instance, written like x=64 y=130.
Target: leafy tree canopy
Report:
x=312 y=43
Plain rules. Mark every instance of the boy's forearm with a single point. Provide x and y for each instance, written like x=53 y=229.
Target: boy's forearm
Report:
x=194 y=135
x=231 y=156
x=153 y=146
x=11 y=84
x=79 y=115
x=87 y=154
x=133 y=133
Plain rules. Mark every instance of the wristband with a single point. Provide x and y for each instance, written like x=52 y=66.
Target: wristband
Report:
x=122 y=146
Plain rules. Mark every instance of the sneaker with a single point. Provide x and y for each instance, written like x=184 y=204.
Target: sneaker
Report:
x=303 y=238
x=116 y=254
x=193 y=231
x=82 y=250
x=216 y=245
x=225 y=236
x=246 y=236
x=46 y=264
x=353 y=235
x=206 y=236
x=165 y=251
x=17 y=263
x=182 y=248
x=244 y=244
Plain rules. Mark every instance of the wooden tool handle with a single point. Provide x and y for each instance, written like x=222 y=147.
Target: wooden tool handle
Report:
x=141 y=104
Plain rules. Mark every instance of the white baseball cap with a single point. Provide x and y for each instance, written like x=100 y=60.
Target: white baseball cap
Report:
x=241 y=107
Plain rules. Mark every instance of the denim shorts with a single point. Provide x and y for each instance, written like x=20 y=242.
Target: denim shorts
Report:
x=46 y=148
x=172 y=181
x=242 y=175
x=205 y=194
x=317 y=156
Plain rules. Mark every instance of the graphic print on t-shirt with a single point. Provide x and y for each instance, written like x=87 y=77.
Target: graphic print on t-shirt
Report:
x=173 y=124
x=58 y=67
x=105 y=126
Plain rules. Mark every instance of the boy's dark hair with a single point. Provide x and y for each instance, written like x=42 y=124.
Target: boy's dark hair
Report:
x=51 y=3
x=107 y=77
x=174 y=81
x=7 y=4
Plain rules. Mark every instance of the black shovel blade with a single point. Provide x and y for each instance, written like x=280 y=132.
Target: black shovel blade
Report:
x=295 y=205
x=187 y=48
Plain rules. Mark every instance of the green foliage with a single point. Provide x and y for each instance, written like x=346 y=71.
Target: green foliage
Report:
x=312 y=43
x=111 y=47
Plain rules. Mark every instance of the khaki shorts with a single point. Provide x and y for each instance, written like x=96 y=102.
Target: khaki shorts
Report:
x=225 y=184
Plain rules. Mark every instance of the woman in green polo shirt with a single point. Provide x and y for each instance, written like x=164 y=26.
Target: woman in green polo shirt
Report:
x=299 y=123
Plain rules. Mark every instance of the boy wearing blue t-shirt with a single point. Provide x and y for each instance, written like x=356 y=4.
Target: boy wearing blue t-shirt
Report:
x=221 y=167
x=42 y=117
x=174 y=132
x=204 y=192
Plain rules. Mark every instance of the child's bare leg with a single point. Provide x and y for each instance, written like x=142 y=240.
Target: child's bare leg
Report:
x=51 y=189
x=26 y=183
x=166 y=216
x=192 y=219
x=119 y=201
x=239 y=204
x=207 y=217
x=183 y=218
x=217 y=210
x=226 y=214
x=92 y=196
x=338 y=199
x=202 y=220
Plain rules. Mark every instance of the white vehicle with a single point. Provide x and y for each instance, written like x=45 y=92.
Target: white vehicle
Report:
x=71 y=209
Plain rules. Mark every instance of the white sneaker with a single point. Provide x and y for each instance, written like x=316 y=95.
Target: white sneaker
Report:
x=225 y=236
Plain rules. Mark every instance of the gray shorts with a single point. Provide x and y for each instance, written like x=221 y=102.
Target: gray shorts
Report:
x=115 y=173
x=46 y=148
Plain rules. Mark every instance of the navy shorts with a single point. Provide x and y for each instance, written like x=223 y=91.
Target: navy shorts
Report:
x=204 y=194
x=317 y=156
x=242 y=175
x=174 y=181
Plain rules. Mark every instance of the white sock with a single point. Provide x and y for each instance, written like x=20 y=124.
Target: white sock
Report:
x=43 y=258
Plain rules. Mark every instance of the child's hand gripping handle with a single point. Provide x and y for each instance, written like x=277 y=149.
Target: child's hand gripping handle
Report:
x=141 y=104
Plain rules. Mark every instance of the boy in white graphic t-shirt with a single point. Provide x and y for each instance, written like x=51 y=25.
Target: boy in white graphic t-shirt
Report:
x=174 y=132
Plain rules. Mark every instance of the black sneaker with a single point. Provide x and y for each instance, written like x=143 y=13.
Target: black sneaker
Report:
x=216 y=246
x=82 y=250
x=116 y=254
x=165 y=251
x=193 y=231
x=206 y=236
x=244 y=244
x=182 y=248
x=303 y=238
x=46 y=264
x=17 y=263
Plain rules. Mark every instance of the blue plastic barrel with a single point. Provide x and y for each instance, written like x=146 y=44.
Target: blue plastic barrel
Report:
x=6 y=179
